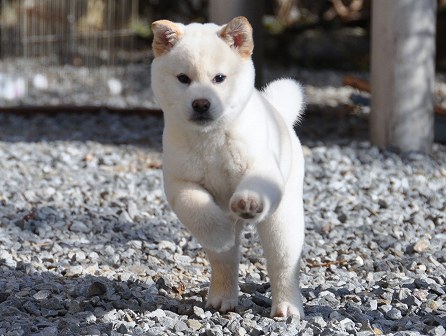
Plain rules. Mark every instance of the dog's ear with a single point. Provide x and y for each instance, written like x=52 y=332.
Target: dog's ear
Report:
x=165 y=35
x=238 y=35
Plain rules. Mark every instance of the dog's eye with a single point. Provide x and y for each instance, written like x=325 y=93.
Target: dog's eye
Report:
x=183 y=79
x=219 y=78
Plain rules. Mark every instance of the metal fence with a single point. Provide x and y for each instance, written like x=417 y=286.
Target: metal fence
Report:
x=78 y=32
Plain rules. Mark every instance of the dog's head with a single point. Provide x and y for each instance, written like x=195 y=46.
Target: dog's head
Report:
x=202 y=74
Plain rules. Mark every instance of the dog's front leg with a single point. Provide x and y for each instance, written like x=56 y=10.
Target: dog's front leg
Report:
x=196 y=209
x=258 y=194
x=223 y=290
x=216 y=232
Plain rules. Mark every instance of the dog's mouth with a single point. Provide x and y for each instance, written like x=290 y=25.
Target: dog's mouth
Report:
x=201 y=119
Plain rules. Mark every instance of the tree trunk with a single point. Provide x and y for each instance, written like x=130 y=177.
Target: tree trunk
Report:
x=403 y=74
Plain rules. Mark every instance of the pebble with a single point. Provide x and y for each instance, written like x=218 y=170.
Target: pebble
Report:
x=180 y=326
x=78 y=226
x=159 y=313
x=74 y=271
x=97 y=288
x=393 y=314
x=421 y=245
x=42 y=294
x=194 y=324
x=199 y=312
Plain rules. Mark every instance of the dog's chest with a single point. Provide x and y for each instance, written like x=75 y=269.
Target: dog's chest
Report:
x=219 y=170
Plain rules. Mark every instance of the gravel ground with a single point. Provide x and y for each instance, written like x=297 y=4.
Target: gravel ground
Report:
x=88 y=245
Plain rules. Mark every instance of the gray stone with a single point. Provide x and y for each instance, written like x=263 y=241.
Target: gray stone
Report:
x=347 y=325
x=404 y=294
x=96 y=288
x=372 y=304
x=394 y=314
x=46 y=312
x=261 y=300
x=248 y=287
x=49 y=331
x=214 y=332
x=234 y=326
x=158 y=313
x=199 y=312
x=421 y=245
x=78 y=226
x=317 y=321
x=74 y=271
x=122 y=329
x=31 y=308
x=110 y=316
x=42 y=294
x=437 y=331
x=180 y=326
x=194 y=324
x=412 y=301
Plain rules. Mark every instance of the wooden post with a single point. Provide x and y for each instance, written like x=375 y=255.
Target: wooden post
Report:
x=403 y=74
x=221 y=12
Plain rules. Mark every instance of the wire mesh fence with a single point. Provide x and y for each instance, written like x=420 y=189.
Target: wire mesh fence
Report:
x=70 y=52
x=78 y=32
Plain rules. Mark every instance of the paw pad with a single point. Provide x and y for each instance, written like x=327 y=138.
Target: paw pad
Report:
x=246 y=207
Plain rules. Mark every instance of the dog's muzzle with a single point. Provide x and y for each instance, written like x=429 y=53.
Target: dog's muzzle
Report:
x=201 y=111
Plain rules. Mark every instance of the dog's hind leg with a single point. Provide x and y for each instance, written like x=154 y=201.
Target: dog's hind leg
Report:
x=282 y=238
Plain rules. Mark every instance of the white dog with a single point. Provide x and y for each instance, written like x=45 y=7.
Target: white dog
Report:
x=231 y=155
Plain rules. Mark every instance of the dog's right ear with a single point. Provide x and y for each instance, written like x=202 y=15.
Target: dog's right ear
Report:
x=165 y=35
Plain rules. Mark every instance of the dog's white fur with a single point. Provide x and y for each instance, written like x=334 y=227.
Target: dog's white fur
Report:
x=244 y=164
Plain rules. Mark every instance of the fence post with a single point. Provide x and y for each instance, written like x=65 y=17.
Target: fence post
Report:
x=403 y=74
x=221 y=12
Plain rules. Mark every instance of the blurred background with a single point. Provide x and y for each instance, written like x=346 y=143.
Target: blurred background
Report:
x=97 y=52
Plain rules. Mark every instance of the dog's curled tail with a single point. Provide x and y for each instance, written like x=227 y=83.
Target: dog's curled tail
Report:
x=286 y=95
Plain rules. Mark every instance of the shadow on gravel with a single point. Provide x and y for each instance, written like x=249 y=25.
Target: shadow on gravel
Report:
x=104 y=127
x=319 y=124
x=66 y=303
x=43 y=301
x=76 y=297
x=86 y=228
x=336 y=125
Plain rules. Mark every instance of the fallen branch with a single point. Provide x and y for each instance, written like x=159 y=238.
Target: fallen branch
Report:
x=314 y=264
x=363 y=85
x=440 y=110
x=356 y=83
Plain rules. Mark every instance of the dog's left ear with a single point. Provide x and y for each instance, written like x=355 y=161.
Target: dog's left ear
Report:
x=165 y=35
x=238 y=35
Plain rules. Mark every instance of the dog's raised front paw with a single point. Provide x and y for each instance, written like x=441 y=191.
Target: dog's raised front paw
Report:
x=222 y=303
x=247 y=205
x=286 y=309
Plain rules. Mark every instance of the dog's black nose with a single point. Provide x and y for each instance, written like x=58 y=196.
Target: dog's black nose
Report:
x=201 y=105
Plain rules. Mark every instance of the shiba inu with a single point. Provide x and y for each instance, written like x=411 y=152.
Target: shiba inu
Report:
x=231 y=155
